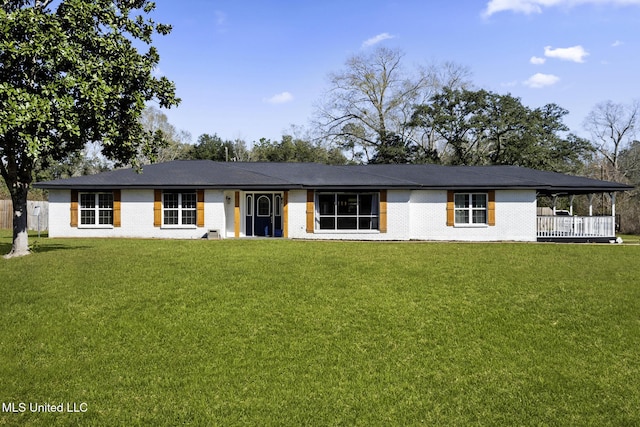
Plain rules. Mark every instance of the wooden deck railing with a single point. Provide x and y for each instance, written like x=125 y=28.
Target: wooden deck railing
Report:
x=576 y=226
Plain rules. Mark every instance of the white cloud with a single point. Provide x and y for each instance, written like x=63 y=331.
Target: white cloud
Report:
x=616 y=43
x=575 y=53
x=540 y=80
x=536 y=6
x=377 y=39
x=280 y=98
x=522 y=6
x=537 y=60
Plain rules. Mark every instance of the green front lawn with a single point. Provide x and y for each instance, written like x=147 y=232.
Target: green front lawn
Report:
x=630 y=239
x=275 y=332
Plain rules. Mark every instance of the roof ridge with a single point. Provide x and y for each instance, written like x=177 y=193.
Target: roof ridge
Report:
x=259 y=173
x=386 y=176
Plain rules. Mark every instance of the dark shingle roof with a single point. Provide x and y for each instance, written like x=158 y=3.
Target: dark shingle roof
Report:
x=266 y=176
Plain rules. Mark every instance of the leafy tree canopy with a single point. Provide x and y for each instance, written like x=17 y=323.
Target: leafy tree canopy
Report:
x=480 y=127
x=70 y=76
x=212 y=147
x=291 y=149
x=369 y=103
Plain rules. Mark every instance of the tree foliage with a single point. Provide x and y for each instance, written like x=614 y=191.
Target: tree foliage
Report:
x=480 y=127
x=88 y=161
x=629 y=162
x=291 y=149
x=613 y=127
x=176 y=144
x=395 y=150
x=370 y=102
x=212 y=147
x=627 y=203
x=70 y=76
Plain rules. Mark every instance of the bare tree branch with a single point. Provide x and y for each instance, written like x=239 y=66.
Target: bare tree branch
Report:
x=612 y=127
x=373 y=99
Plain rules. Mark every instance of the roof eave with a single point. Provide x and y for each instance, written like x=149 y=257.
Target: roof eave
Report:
x=583 y=190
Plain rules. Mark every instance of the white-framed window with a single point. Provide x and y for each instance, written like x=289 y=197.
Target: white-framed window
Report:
x=470 y=208
x=277 y=206
x=348 y=211
x=179 y=208
x=249 y=205
x=96 y=208
x=264 y=206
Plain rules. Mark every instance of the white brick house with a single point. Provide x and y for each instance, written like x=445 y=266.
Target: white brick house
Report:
x=200 y=198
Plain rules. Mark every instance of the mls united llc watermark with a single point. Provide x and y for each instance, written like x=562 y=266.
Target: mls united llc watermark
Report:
x=35 y=407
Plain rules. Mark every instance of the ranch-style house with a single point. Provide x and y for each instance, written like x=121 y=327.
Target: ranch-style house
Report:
x=189 y=199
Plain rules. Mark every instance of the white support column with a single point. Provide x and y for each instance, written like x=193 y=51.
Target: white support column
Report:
x=555 y=201
x=591 y=204
x=613 y=211
x=571 y=204
x=613 y=204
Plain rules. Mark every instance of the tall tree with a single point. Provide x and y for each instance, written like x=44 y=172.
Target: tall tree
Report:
x=453 y=117
x=70 y=76
x=212 y=147
x=628 y=203
x=613 y=127
x=394 y=151
x=629 y=162
x=291 y=149
x=176 y=143
x=481 y=127
x=78 y=163
x=370 y=102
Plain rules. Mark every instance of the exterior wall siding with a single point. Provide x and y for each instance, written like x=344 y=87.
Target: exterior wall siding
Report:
x=136 y=217
x=411 y=214
x=515 y=218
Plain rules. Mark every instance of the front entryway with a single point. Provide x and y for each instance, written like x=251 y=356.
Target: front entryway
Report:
x=263 y=214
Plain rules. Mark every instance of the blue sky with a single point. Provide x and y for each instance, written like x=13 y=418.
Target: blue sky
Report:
x=251 y=69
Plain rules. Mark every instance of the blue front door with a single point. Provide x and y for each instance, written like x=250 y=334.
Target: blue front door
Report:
x=263 y=214
x=263 y=219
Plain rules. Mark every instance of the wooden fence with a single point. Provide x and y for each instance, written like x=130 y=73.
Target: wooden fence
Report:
x=6 y=215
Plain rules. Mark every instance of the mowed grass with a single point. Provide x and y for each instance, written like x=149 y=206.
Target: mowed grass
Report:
x=276 y=332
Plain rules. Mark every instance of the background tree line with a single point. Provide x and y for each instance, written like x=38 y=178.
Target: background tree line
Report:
x=378 y=112
x=375 y=111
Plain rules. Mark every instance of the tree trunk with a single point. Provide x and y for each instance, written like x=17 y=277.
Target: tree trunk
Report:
x=20 y=245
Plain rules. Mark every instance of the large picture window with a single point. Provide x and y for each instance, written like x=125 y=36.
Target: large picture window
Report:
x=470 y=208
x=96 y=208
x=348 y=211
x=179 y=208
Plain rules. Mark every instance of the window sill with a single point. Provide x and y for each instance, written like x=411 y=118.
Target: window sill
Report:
x=96 y=226
x=471 y=225
x=178 y=227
